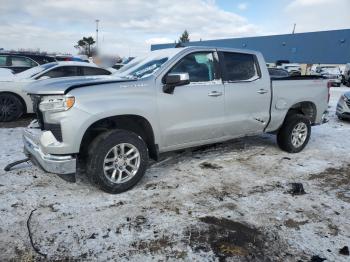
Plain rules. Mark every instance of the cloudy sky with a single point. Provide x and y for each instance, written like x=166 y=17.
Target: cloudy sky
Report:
x=129 y=27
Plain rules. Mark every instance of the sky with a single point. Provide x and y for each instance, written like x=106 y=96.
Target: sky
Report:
x=129 y=27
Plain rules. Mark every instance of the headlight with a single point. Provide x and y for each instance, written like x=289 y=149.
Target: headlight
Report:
x=56 y=103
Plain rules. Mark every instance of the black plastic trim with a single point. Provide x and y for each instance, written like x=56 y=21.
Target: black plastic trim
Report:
x=308 y=77
x=55 y=130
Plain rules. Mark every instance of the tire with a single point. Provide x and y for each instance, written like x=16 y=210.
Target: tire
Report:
x=11 y=107
x=285 y=134
x=109 y=146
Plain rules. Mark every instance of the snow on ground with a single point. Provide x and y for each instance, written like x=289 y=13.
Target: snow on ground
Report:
x=226 y=201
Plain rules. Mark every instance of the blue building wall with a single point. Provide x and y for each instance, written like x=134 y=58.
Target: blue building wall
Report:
x=325 y=47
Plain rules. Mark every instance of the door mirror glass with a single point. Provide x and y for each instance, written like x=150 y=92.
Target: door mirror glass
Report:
x=175 y=79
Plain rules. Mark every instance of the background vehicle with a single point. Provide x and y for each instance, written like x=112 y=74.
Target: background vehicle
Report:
x=346 y=75
x=4 y=72
x=18 y=62
x=330 y=72
x=14 y=102
x=117 y=66
x=343 y=107
x=293 y=69
x=170 y=99
x=277 y=73
x=67 y=58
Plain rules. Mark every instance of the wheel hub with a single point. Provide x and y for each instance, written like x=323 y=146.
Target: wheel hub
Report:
x=299 y=134
x=121 y=163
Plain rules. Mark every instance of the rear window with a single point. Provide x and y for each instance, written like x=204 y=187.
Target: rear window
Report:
x=3 y=60
x=63 y=71
x=93 y=71
x=240 y=67
x=22 y=61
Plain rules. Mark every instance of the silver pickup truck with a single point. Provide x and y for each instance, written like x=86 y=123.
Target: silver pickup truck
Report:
x=170 y=99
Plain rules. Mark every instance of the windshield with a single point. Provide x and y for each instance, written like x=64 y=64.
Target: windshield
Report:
x=144 y=66
x=35 y=70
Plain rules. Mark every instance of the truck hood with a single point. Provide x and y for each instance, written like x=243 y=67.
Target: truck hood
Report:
x=61 y=86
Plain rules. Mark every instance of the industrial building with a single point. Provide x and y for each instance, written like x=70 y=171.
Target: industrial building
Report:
x=323 y=47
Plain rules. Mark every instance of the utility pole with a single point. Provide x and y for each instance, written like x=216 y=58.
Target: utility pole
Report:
x=97 y=21
x=294 y=29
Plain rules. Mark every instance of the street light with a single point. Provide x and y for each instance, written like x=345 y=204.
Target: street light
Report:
x=97 y=21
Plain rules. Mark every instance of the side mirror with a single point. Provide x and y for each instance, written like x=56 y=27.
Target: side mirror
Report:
x=172 y=80
x=44 y=77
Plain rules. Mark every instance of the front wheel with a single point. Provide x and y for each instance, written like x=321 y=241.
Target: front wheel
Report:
x=294 y=133
x=117 y=160
x=11 y=108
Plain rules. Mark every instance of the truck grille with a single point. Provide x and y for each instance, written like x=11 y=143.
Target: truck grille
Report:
x=36 y=101
x=54 y=128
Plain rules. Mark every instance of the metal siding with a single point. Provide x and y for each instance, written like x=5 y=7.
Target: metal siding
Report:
x=325 y=47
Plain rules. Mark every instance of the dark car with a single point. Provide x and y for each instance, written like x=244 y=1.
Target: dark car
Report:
x=278 y=73
x=18 y=62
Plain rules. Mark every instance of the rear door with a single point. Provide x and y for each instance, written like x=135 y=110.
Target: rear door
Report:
x=194 y=113
x=247 y=94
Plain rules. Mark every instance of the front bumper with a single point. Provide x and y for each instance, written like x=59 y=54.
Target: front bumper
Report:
x=343 y=109
x=58 y=164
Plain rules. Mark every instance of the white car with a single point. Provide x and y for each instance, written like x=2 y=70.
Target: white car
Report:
x=5 y=72
x=330 y=72
x=14 y=102
x=293 y=69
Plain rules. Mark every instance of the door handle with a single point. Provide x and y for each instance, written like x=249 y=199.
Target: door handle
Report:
x=215 y=93
x=262 y=91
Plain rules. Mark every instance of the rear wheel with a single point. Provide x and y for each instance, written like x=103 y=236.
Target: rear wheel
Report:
x=11 y=108
x=117 y=160
x=294 y=133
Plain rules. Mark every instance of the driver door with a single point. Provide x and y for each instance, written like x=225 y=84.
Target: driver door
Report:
x=194 y=113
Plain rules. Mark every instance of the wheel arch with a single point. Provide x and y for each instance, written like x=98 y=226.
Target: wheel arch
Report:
x=19 y=97
x=306 y=108
x=134 y=123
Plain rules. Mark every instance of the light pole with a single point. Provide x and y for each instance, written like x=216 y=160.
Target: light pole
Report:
x=97 y=21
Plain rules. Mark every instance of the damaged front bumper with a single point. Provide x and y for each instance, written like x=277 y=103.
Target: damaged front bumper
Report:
x=58 y=164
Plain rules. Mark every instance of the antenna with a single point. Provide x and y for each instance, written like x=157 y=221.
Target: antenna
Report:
x=294 y=29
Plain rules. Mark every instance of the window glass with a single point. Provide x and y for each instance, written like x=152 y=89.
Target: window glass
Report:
x=34 y=71
x=21 y=61
x=240 y=67
x=199 y=66
x=63 y=71
x=92 y=71
x=3 y=60
x=145 y=66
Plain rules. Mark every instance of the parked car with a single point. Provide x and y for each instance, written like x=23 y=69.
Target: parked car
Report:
x=343 y=107
x=277 y=73
x=330 y=72
x=14 y=102
x=19 y=62
x=293 y=69
x=117 y=66
x=170 y=99
x=346 y=75
x=4 y=72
